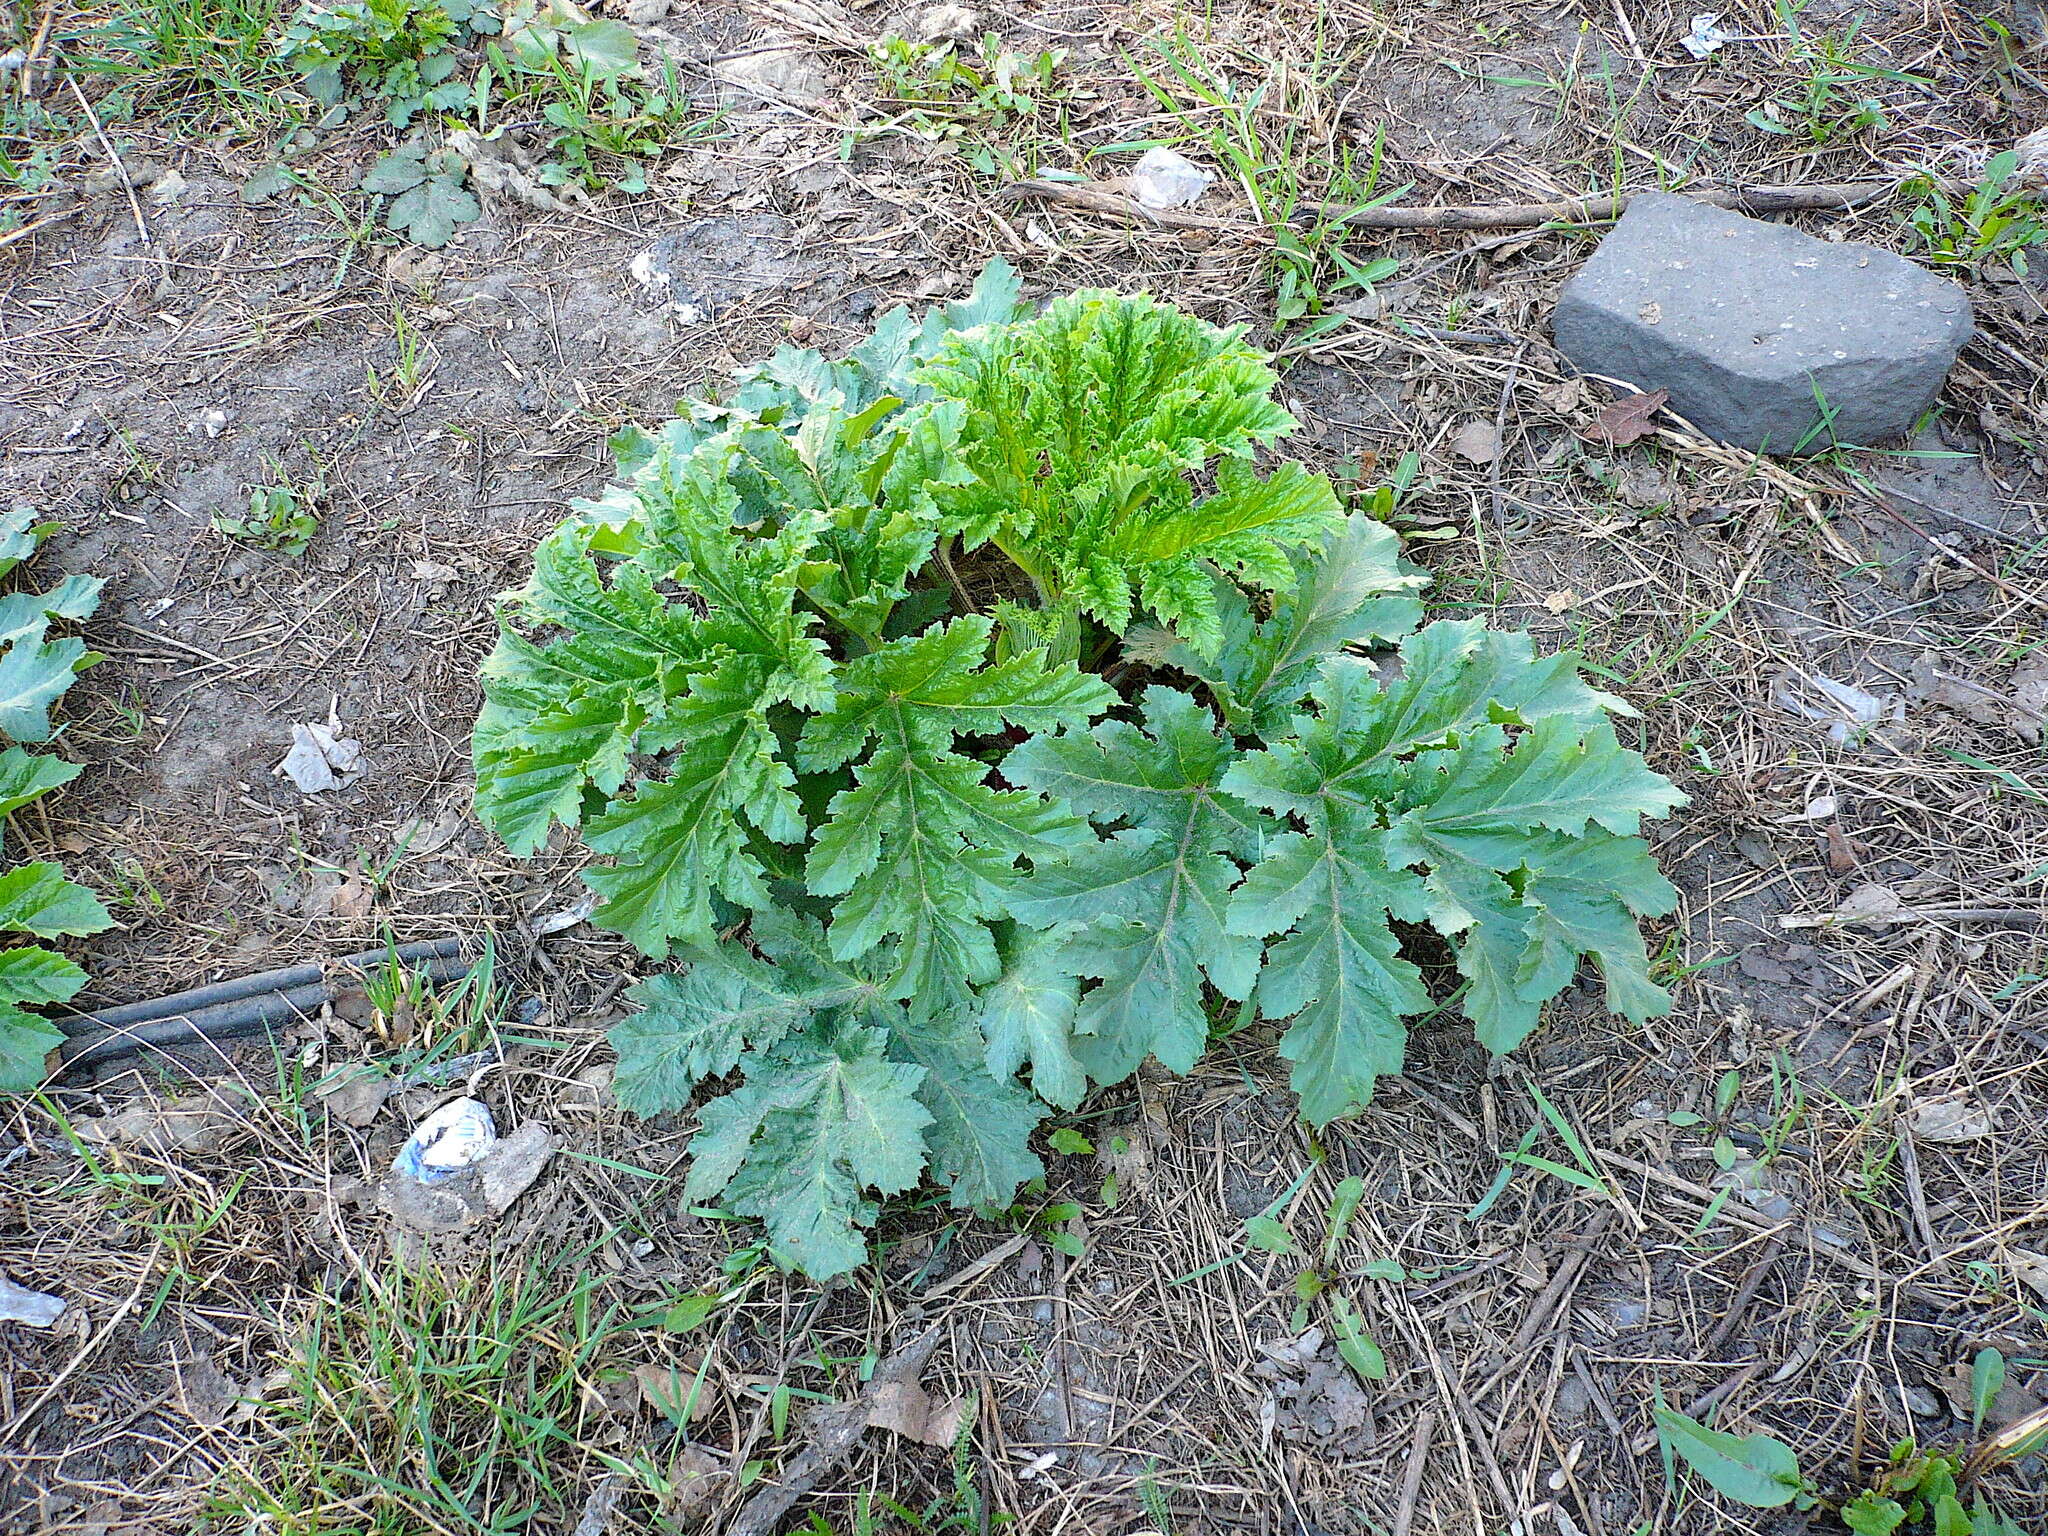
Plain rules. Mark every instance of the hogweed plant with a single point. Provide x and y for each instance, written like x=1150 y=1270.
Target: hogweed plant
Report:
x=972 y=719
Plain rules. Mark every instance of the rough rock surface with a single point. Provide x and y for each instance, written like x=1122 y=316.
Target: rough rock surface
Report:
x=1751 y=325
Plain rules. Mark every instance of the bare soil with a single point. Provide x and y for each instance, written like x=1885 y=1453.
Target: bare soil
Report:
x=1829 y=1288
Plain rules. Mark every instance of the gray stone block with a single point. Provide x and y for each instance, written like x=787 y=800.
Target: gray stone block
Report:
x=1746 y=323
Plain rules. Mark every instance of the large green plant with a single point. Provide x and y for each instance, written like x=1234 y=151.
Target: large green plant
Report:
x=35 y=898
x=910 y=848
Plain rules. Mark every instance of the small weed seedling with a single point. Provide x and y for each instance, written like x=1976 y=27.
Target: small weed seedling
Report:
x=402 y=52
x=1308 y=268
x=1916 y=1492
x=1834 y=100
x=583 y=78
x=1320 y=1281
x=949 y=91
x=1999 y=219
x=281 y=515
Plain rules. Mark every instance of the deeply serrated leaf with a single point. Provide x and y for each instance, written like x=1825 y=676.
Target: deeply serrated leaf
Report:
x=1338 y=974
x=1353 y=589
x=1418 y=775
x=817 y=1120
x=1085 y=425
x=1027 y=1016
x=1151 y=900
x=678 y=841
x=980 y=1136
x=695 y=1023
x=427 y=214
x=921 y=847
x=37 y=899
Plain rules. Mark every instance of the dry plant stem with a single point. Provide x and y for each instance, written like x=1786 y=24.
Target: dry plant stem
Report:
x=838 y=1432
x=1601 y=210
x=113 y=1320
x=1411 y=1481
x=2024 y=917
x=1751 y=1283
x=1098 y=198
x=114 y=157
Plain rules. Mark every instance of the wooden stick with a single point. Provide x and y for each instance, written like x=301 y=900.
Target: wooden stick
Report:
x=2019 y=917
x=1602 y=210
x=1107 y=198
x=837 y=1431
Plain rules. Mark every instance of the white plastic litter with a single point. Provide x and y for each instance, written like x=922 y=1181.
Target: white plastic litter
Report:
x=321 y=757
x=1705 y=37
x=1163 y=179
x=453 y=1138
x=35 y=1309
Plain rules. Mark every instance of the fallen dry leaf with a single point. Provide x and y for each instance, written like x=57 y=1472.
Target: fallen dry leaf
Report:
x=904 y=1408
x=1627 y=418
x=2030 y=1268
x=196 y=1124
x=1564 y=396
x=1841 y=855
x=667 y=1390
x=354 y=1094
x=1476 y=441
x=1949 y=1120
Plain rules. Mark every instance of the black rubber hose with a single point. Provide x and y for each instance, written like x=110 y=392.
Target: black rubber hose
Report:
x=246 y=986
x=169 y=1022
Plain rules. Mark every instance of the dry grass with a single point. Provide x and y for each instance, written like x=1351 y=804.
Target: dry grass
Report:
x=244 y=1342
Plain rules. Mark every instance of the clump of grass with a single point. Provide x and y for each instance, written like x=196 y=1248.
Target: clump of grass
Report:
x=429 y=1402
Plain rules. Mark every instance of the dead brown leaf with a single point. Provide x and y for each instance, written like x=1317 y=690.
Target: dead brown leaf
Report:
x=1841 y=853
x=667 y=1389
x=1476 y=441
x=905 y=1408
x=1627 y=419
x=354 y=1094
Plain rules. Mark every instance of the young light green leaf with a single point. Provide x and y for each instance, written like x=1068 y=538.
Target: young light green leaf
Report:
x=1354 y=1344
x=1755 y=1470
x=32 y=974
x=1269 y=1236
x=1069 y=1142
x=1344 y=1202
x=1872 y=1514
x=1084 y=425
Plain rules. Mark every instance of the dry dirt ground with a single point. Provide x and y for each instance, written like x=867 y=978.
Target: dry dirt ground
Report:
x=242 y=1350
